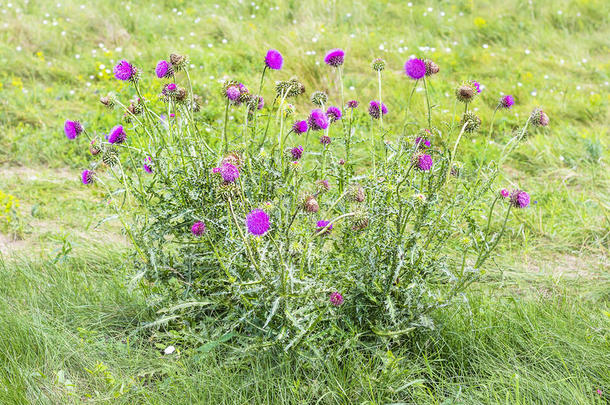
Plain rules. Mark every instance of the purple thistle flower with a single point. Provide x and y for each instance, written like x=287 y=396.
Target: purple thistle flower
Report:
x=507 y=101
x=274 y=59
x=422 y=142
x=504 y=193
x=476 y=86
x=124 y=70
x=257 y=222
x=87 y=177
x=423 y=162
x=334 y=57
x=325 y=140
x=322 y=225
x=116 y=135
x=519 y=199
x=352 y=104
x=374 y=109
x=336 y=299
x=299 y=127
x=72 y=129
x=148 y=164
x=333 y=113
x=415 y=68
x=317 y=120
x=296 y=152
x=198 y=228
x=229 y=172
x=233 y=93
x=163 y=69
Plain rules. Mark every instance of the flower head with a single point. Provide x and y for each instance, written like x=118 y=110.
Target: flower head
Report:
x=164 y=69
x=539 y=118
x=504 y=193
x=125 y=71
x=466 y=92
x=117 y=135
x=334 y=57
x=423 y=162
x=519 y=199
x=72 y=129
x=325 y=226
x=233 y=93
x=229 y=172
x=147 y=165
x=352 y=104
x=296 y=152
x=507 y=101
x=336 y=299
x=310 y=204
x=415 y=68
x=356 y=193
x=257 y=222
x=198 y=228
x=87 y=177
x=333 y=113
x=322 y=186
x=274 y=59
x=325 y=140
x=317 y=120
x=375 y=111
x=299 y=127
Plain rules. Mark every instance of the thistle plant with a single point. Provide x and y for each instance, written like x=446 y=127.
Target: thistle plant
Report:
x=291 y=243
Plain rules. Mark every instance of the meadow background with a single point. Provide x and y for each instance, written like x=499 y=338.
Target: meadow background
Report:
x=536 y=329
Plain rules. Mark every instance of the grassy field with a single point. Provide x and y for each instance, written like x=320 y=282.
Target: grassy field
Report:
x=535 y=330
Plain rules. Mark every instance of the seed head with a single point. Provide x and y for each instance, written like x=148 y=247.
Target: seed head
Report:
x=310 y=204
x=179 y=62
x=466 y=92
x=431 y=67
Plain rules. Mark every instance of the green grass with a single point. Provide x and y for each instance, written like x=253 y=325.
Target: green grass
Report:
x=536 y=329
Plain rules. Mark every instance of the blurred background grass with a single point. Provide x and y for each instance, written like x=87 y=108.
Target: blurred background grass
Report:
x=539 y=330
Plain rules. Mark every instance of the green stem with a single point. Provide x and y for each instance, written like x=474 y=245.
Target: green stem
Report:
x=224 y=129
x=428 y=103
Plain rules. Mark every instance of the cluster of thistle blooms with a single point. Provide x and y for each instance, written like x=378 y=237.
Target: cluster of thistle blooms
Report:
x=319 y=119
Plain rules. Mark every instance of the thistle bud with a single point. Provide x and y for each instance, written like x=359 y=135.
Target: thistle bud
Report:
x=233 y=158
x=322 y=186
x=110 y=156
x=360 y=221
x=472 y=122
x=319 y=98
x=539 y=118
x=378 y=64
x=356 y=193
x=108 y=101
x=431 y=67
x=94 y=148
x=310 y=204
x=179 y=62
